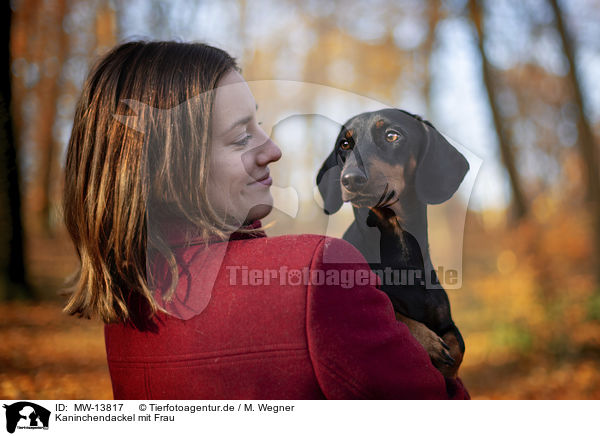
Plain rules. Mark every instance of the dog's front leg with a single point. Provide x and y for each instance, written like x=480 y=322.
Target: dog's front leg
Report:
x=398 y=252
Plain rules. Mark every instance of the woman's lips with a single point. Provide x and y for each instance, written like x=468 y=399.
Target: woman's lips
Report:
x=267 y=182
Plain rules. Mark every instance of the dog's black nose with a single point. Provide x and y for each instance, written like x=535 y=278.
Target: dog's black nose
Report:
x=354 y=180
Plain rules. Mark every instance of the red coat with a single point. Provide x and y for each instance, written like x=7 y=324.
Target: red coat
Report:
x=253 y=340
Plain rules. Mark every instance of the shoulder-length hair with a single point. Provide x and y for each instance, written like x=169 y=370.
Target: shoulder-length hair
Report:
x=117 y=169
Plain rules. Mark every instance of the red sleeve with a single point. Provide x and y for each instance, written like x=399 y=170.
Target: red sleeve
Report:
x=358 y=348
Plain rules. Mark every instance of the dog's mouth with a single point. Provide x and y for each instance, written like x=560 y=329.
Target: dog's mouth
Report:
x=386 y=199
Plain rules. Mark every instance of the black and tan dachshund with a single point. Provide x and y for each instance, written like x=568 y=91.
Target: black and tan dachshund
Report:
x=390 y=165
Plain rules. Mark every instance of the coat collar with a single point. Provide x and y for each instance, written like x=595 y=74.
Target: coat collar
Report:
x=194 y=289
x=179 y=232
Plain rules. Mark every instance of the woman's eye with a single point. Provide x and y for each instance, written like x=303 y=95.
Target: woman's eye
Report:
x=244 y=141
x=392 y=136
x=345 y=144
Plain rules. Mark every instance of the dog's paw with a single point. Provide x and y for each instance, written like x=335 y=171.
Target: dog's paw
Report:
x=455 y=351
x=438 y=350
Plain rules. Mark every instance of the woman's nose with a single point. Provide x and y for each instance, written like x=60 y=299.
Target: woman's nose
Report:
x=268 y=152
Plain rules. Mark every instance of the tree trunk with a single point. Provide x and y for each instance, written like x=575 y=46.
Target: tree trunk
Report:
x=586 y=142
x=13 y=283
x=506 y=150
x=50 y=19
x=434 y=15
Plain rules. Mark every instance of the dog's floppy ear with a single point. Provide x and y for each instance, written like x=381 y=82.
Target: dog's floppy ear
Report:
x=441 y=168
x=328 y=182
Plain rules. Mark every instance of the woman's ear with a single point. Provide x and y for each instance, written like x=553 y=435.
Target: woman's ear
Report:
x=328 y=182
x=440 y=170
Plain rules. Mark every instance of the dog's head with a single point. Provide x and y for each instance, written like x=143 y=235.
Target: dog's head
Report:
x=380 y=156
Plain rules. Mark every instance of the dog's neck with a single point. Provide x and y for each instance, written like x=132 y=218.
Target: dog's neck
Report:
x=412 y=214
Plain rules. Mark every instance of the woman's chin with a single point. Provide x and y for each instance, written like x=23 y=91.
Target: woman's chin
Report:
x=258 y=212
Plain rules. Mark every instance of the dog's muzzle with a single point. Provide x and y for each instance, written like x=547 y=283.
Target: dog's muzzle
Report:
x=354 y=180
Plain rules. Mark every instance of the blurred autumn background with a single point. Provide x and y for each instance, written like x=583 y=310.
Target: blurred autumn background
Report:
x=512 y=81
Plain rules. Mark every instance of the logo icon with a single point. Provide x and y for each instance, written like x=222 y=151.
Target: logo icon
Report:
x=26 y=415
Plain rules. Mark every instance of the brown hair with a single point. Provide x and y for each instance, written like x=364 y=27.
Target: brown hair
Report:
x=116 y=172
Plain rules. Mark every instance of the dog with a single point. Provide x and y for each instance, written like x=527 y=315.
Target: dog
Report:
x=390 y=164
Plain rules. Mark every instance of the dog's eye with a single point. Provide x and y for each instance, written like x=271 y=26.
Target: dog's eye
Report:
x=345 y=144
x=392 y=136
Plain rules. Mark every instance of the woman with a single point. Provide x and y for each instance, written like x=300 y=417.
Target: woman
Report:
x=167 y=177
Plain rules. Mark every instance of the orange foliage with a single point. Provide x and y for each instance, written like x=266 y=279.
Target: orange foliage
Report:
x=529 y=308
x=47 y=355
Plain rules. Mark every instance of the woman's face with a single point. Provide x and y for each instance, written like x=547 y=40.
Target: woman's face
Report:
x=239 y=181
